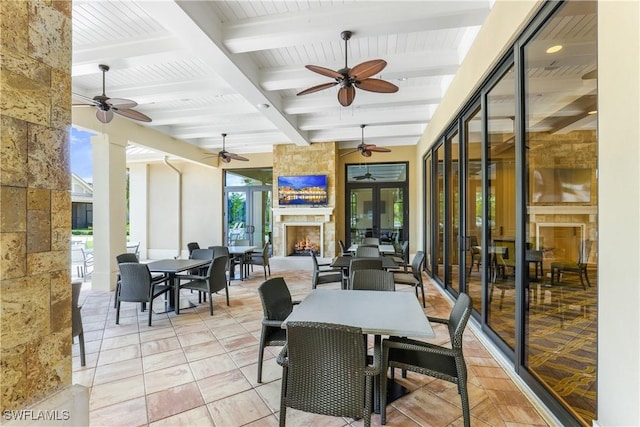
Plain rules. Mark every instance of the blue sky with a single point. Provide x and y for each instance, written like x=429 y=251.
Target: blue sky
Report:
x=81 y=158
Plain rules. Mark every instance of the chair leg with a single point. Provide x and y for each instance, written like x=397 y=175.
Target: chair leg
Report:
x=115 y=299
x=226 y=291
x=83 y=361
x=150 y=309
x=118 y=312
x=261 y=352
x=465 y=406
x=211 y=304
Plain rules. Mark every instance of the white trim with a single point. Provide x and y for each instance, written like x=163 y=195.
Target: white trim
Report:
x=279 y=212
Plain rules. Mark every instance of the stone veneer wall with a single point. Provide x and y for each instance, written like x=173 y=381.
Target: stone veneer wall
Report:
x=35 y=203
x=315 y=159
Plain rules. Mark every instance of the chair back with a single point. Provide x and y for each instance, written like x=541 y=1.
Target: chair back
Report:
x=458 y=319
x=191 y=246
x=372 y=280
x=202 y=254
x=371 y=241
x=135 y=282
x=584 y=251
x=134 y=248
x=276 y=299
x=314 y=259
x=76 y=318
x=217 y=274
x=404 y=253
x=126 y=257
x=240 y=242
x=367 y=251
x=343 y=249
x=417 y=265
x=365 y=264
x=336 y=351
x=219 y=251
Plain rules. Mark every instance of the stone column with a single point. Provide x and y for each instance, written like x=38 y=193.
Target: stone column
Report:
x=35 y=202
x=109 y=209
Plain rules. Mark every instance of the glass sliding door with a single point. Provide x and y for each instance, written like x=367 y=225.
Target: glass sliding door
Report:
x=248 y=194
x=561 y=160
x=501 y=203
x=439 y=220
x=453 y=223
x=428 y=220
x=473 y=202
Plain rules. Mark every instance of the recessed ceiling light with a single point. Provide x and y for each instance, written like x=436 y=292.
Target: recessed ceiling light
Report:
x=263 y=106
x=554 y=49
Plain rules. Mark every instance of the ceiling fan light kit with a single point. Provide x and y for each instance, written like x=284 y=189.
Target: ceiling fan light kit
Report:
x=366 y=150
x=107 y=106
x=351 y=78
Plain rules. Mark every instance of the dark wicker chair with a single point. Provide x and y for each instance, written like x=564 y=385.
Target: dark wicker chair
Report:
x=371 y=241
x=76 y=318
x=125 y=257
x=343 y=249
x=579 y=267
x=372 y=280
x=361 y=264
x=214 y=281
x=429 y=359
x=262 y=259
x=276 y=306
x=367 y=251
x=323 y=275
x=414 y=277
x=324 y=371
x=137 y=285
x=401 y=257
x=191 y=246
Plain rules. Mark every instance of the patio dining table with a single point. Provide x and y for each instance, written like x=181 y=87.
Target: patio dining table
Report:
x=171 y=268
x=376 y=313
x=240 y=253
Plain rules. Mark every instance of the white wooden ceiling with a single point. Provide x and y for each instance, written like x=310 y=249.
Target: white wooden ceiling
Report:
x=202 y=68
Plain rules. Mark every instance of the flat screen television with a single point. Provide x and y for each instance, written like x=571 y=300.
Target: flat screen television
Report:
x=561 y=185
x=302 y=190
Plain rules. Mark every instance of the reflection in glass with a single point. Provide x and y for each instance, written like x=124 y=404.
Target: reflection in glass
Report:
x=440 y=219
x=561 y=159
x=473 y=198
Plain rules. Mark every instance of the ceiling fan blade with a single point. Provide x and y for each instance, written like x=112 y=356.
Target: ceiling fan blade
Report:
x=121 y=103
x=105 y=116
x=367 y=69
x=235 y=156
x=224 y=157
x=83 y=105
x=131 y=114
x=348 y=152
x=377 y=149
x=346 y=95
x=325 y=71
x=376 y=85
x=317 y=88
x=85 y=99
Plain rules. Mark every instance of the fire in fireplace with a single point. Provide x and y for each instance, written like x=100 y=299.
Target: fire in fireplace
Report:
x=305 y=247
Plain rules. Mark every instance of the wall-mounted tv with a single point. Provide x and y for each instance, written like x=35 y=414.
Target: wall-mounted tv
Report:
x=302 y=190
x=561 y=185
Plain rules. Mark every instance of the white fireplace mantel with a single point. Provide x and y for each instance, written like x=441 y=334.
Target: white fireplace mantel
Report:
x=278 y=213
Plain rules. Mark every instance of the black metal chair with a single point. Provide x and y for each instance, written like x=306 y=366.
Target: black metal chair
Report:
x=324 y=371
x=136 y=285
x=276 y=306
x=414 y=277
x=262 y=259
x=214 y=281
x=429 y=359
x=323 y=275
x=76 y=318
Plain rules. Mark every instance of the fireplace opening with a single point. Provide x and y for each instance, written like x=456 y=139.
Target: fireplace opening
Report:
x=301 y=240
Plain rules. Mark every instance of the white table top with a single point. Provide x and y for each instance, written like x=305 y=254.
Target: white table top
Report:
x=375 y=312
x=384 y=249
x=237 y=250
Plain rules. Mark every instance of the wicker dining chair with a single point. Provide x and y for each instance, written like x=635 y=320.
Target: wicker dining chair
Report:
x=361 y=264
x=137 y=285
x=371 y=241
x=367 y=251
x=414 y=277
x=276 y=306
x=214 y=281
x=321 y=274
x=429 y=359
x=76 y=318
x=324 y=371
x=372 y=280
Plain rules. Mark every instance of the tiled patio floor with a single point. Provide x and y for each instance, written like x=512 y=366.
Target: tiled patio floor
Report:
x=200 y=370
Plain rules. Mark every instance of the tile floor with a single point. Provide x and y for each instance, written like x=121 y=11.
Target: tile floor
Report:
x=200 y=370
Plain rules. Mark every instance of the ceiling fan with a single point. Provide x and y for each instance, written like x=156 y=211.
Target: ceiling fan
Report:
x=351 y=78
x=107 y=106
x=366 y=149
x=366 y=176
x=226 y=156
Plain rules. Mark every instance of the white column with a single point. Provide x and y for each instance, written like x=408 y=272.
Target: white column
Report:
x=139 y=206
x=109 y=209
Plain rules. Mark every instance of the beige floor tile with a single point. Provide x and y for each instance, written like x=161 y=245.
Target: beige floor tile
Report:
x=223 y=385
x=120 y=341
x=194 y=417
x=194 y=338
x=160 y=345
x=163 y=360
x=126 y=414
x=247 y=355
x=202 y=350
x=168 y=377
x=269 y=421
x=119 y=354
x=270 y=393
x=524 y=415
x=427 y=408
x=116 y=392
x=156 y=334
x=238 y=409
x=83 y=377
x=213 y=365
x=173 y=401
x=239 y=341
x=117 y=371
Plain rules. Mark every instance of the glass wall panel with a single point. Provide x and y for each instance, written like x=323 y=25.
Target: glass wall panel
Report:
x=439 y=202
x=473 y=205
x=562 y=199
x=428 y=221
x=453 y=224
x=501 y=221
